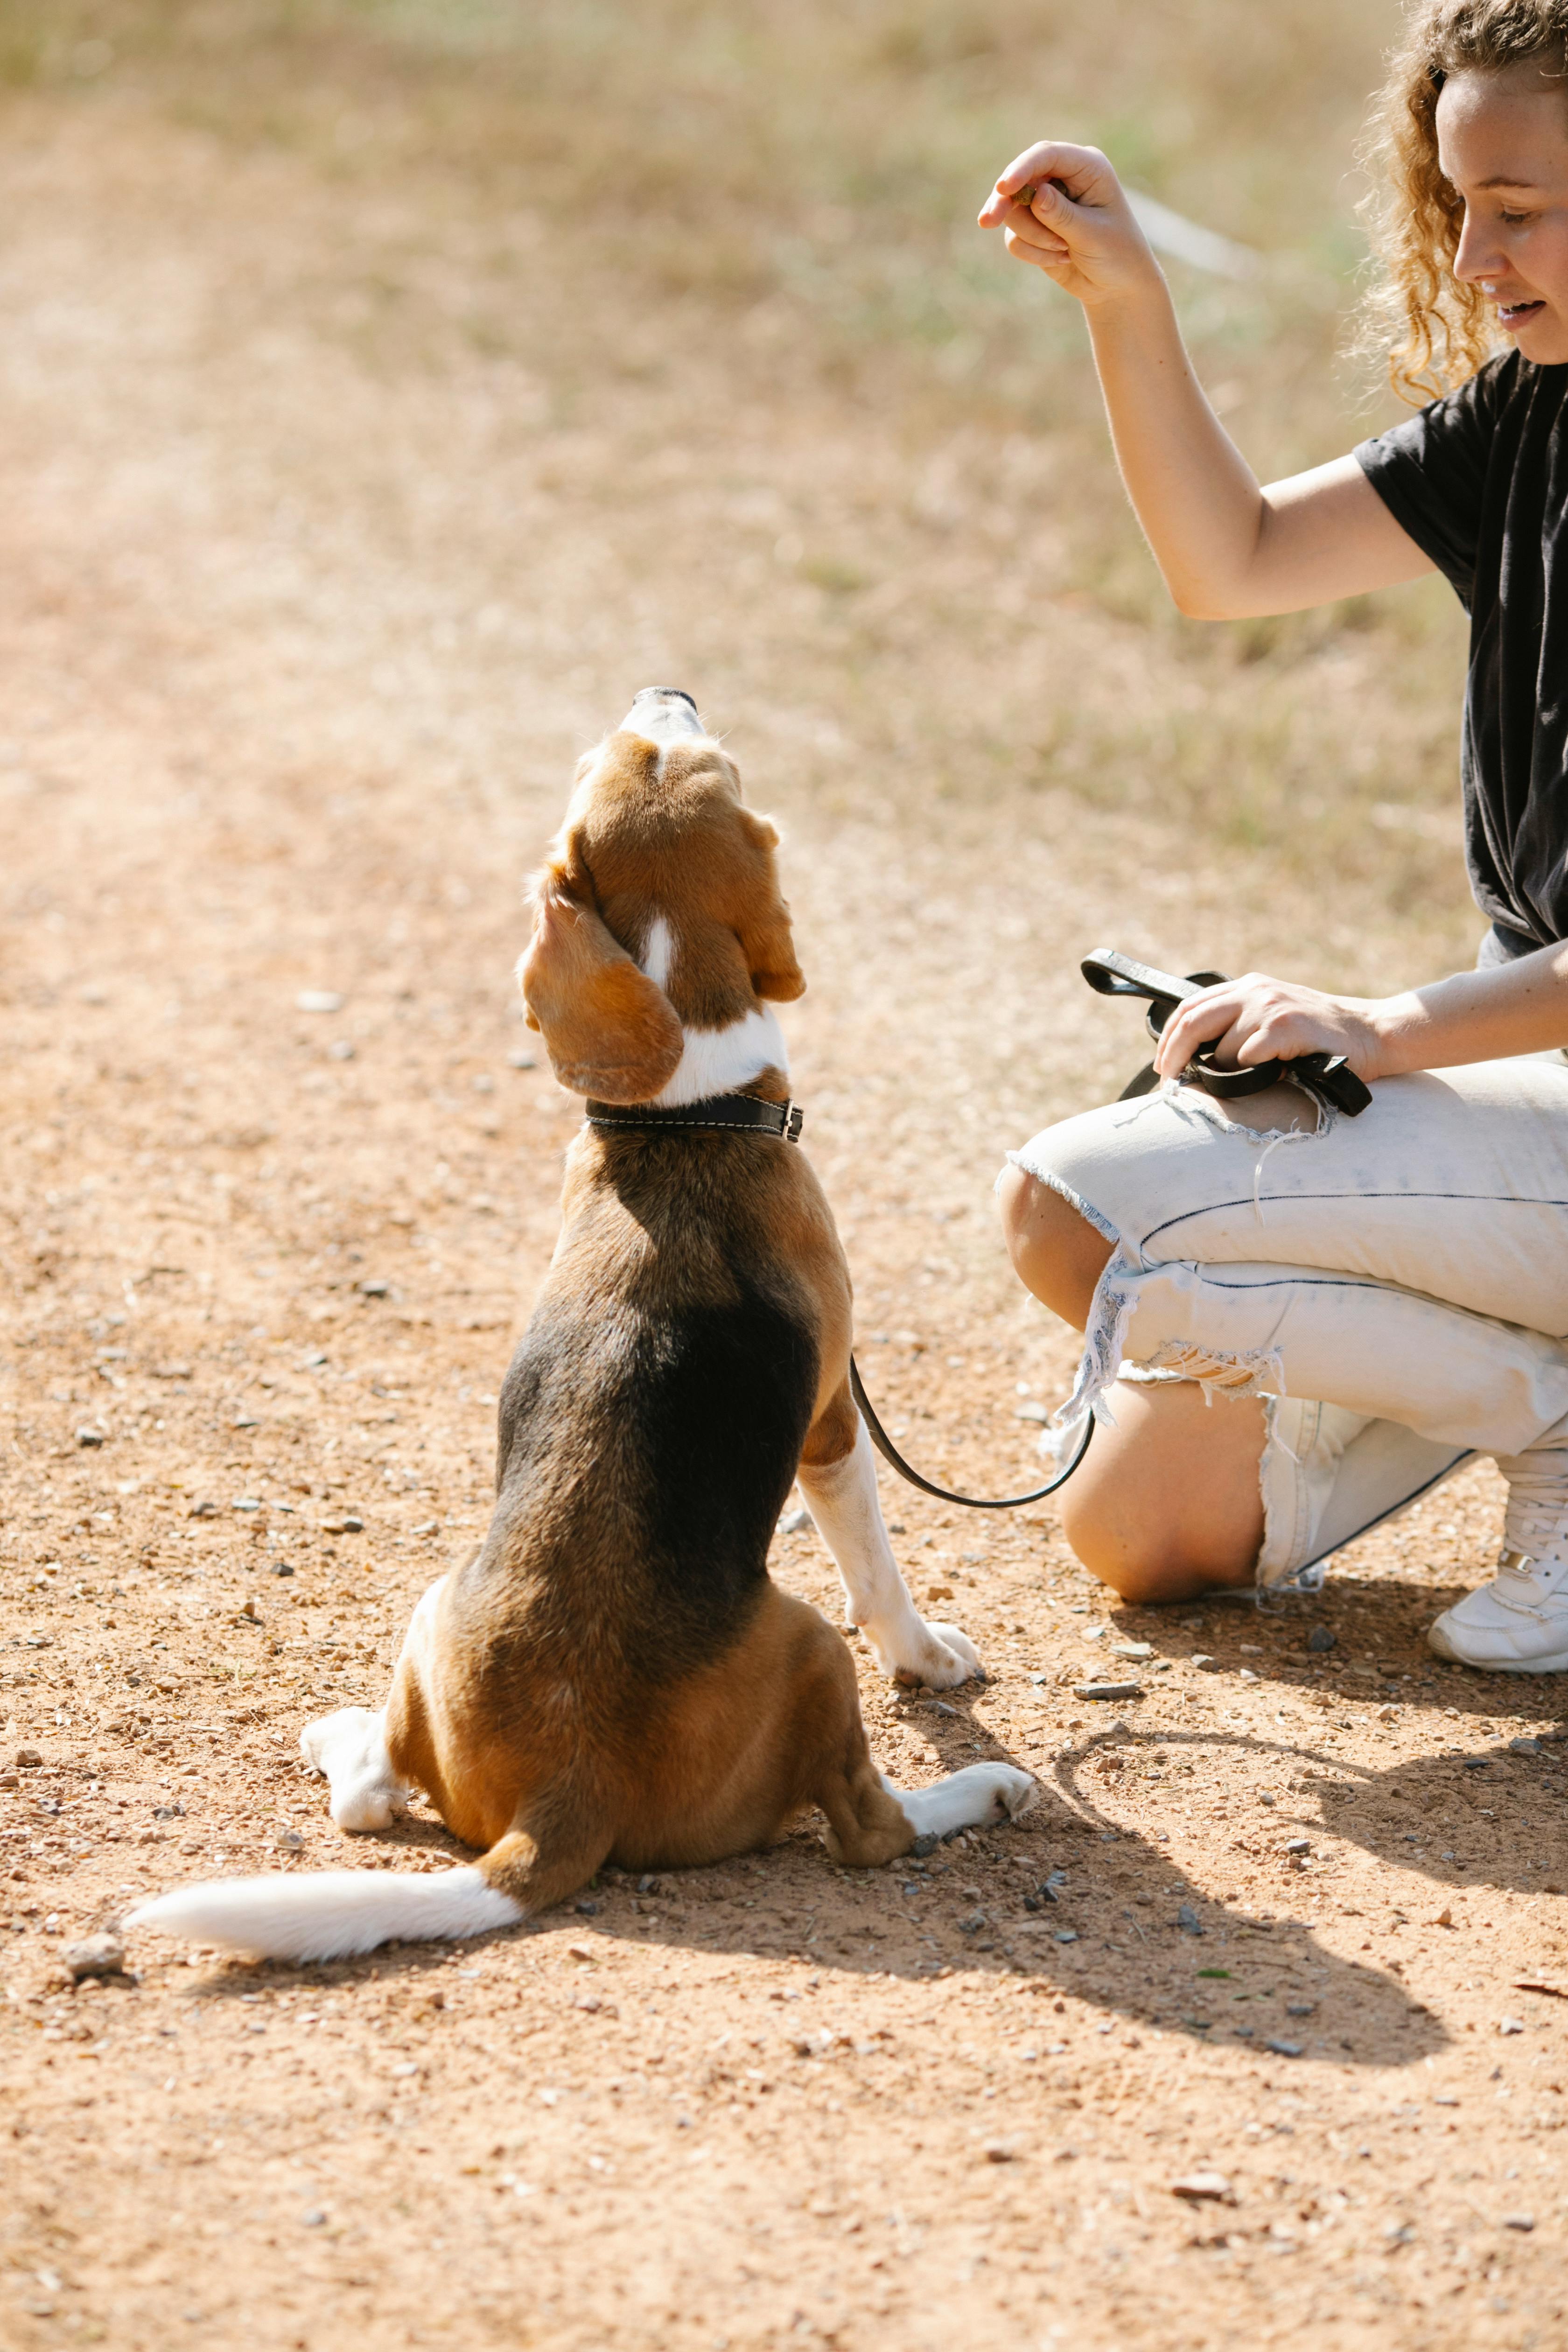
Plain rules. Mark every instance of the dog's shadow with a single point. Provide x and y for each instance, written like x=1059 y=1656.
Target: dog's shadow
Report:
x=1065 y=1903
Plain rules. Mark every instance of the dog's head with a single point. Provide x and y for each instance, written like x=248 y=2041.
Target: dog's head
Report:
x=658 y=912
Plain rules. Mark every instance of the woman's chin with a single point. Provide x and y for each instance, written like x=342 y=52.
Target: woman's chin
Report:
x=1542 y=338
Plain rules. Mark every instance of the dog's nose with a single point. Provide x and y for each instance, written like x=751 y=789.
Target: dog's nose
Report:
x=663 y=714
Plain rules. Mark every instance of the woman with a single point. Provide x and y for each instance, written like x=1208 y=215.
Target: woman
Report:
x=1370 y=1300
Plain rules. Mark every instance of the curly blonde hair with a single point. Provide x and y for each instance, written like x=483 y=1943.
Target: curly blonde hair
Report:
x=1436 y=331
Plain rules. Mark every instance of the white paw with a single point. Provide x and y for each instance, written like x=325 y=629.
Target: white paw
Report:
x=349 y=1732
x=1013 y=1791
x=938 y=1655
x=349 y=1748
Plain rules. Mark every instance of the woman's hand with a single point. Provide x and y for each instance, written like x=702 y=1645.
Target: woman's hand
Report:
x=1062 y=209
x=1255 y=1019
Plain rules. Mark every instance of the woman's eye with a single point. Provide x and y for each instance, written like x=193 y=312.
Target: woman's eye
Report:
x=1513 y=220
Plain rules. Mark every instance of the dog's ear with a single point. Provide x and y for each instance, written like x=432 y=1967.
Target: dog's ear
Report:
x=610 y=1032
x=767 y=939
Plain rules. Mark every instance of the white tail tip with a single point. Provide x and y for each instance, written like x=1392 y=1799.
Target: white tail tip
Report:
x=330 y=1915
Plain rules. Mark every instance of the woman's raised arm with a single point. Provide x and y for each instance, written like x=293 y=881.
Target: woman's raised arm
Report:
x=1227 y=547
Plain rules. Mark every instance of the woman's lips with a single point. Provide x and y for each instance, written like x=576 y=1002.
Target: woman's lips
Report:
x=1517 y=314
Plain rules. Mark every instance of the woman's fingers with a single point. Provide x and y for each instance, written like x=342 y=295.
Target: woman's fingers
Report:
x=1078 y=170
x=1256 y=1019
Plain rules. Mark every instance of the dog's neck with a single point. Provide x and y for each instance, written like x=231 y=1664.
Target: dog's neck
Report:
x=715 y=1061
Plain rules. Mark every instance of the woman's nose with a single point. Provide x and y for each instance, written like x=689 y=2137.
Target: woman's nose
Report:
x=1477 y=255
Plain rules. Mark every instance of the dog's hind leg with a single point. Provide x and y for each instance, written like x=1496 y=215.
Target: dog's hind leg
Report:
x=870 y=1821
x=838 y=1476
x=352 y=1749
x=965 y=1800
x=349 y=1748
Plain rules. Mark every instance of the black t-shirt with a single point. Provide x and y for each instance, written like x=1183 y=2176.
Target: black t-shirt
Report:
x=1480 y=480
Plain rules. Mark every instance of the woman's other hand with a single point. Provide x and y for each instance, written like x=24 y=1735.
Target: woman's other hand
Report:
x=1063 y=210
x=1255 y=1019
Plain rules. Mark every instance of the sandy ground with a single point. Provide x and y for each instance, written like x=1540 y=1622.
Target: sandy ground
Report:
x=306 y=615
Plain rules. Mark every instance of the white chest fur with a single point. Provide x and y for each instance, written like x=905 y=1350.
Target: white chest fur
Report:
x=714 y=1061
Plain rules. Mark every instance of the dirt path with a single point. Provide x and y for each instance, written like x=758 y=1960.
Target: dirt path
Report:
x=310 y=593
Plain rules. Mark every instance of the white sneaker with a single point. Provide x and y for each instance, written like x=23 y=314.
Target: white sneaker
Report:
x=1517 y=1624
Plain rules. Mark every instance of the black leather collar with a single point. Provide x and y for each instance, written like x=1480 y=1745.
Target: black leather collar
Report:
x=738 y=1114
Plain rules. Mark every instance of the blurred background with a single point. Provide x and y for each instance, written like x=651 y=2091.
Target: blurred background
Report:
x=704 y=282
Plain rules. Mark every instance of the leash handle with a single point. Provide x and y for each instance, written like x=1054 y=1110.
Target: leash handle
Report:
x=895 y=1460
x=1328 y=1075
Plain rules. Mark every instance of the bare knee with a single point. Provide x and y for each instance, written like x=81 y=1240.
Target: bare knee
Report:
x=1167 y=1504
x=1056 y=1253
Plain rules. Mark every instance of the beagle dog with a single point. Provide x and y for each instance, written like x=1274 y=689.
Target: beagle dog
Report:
x=615 y=1678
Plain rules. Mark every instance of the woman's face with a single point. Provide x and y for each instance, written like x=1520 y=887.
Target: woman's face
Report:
x=1502 y=144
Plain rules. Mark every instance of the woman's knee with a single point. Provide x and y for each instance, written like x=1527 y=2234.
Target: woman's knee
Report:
x=1056 y=1253
x=1167 y=1504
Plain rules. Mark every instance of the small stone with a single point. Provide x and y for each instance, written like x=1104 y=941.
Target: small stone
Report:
x=318 y=1000
x=927 y=1842
x=1301 y=2008
x=1525 y=1747
x=375 y=1289
x=582 y=1952
x=974 y=1923
x=1298 y=1845
x=1510 y=2025
x=1187 y=1920
x=88 y=1436
x=96 y=1956
x=1247 y=1676
x=342 y=1049
x=426 y=1527
x=282 y=1567
x=1474 y=1763
x=520 y=1060
x=1001 y=2151
x=27 y=1757
x=1108 y=1690
x=1067 y=1935
x=1204 y=2187
x=346 y=1526
x=793 y=1521
x=586 y=1910
x=1285 y=2049
x=1132 y=1649
x=314 y=2219
x=290 y=1841
x=245 y=1421
x=1204 y=1664
x=1525 y=2221
x=202 y=1511
x=247 y=1503
x=1319 y=1639
x=1032 y=1411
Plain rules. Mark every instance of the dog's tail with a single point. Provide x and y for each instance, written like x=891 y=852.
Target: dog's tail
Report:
x=331 y=1914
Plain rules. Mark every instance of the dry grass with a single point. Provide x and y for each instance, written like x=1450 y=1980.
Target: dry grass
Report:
x=804 y=179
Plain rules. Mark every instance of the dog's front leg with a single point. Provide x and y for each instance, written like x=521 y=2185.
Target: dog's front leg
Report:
x=841 y=1496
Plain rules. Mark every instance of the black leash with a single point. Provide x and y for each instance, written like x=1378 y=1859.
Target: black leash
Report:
x=1329 y=1076
x=749 y=1114
x=891 y=1454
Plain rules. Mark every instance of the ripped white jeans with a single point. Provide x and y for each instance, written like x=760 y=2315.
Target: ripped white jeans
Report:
x=1395 y=1286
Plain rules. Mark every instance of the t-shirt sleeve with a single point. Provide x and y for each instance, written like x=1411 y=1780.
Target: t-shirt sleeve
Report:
x=1430 y=473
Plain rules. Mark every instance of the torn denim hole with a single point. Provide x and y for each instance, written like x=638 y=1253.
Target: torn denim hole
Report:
x=1252 y=1372
x=1268 y=1138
